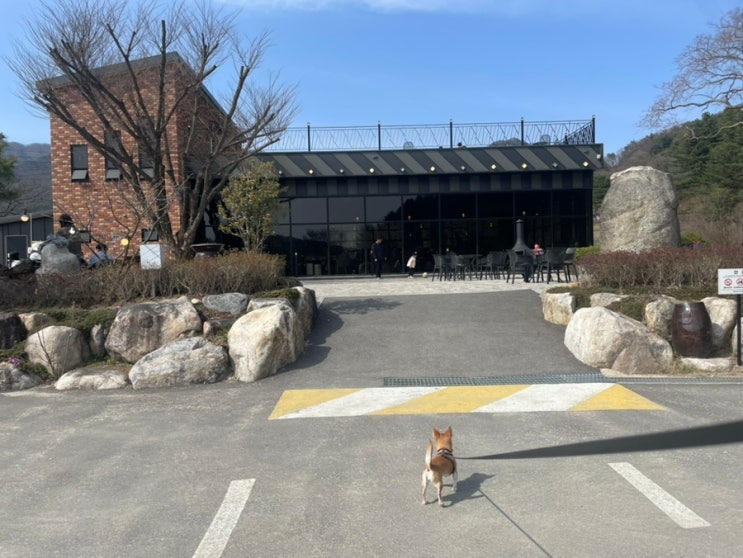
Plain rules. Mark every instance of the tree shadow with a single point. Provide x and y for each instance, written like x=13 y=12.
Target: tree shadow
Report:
x=716 y=434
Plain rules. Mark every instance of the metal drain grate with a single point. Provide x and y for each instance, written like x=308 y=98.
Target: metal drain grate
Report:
x=434 y=381
x=595 y=377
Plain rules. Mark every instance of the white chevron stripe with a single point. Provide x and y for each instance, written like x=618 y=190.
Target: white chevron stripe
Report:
x=362 y=402
x=544 y=397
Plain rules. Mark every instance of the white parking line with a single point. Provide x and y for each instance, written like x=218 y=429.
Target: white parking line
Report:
x=683 y=516
x=216 y=537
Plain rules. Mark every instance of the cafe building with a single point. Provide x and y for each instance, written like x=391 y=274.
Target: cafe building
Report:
x=430 y=190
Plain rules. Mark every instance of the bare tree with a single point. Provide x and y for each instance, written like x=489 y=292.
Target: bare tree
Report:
x=120 y=59
x=709 y=77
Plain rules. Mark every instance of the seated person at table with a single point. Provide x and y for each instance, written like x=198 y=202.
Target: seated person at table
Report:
x=101 y=257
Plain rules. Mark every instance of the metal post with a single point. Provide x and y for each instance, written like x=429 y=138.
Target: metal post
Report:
x=522 y=131
x=593 y=129
x=451 y=134
x=740 y=359
x=379 y=135
x=309 y=142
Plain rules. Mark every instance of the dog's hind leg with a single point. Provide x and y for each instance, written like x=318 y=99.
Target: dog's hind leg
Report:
x=454 y=481
x=440 y=486
x=424 y=486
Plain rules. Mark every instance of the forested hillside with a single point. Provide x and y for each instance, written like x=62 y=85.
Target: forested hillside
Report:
x=705 y=160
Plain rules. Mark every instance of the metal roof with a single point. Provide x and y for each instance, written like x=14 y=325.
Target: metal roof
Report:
x=529 y=158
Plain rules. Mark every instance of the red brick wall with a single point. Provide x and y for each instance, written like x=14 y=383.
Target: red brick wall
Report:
x=96 y=204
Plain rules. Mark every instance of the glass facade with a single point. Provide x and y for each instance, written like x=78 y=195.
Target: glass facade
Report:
x=332 y=235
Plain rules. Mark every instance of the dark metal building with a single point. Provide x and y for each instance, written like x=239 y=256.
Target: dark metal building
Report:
x=430 y=200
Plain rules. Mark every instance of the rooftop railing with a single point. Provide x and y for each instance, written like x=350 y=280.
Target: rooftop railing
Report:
x=384 y=137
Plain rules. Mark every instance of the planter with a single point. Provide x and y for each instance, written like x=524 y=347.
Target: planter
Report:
x=691 y=330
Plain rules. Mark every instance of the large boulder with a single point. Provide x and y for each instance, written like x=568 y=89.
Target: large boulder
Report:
x=230 y=303
x=94 y=378
x=658 y=315
x=56 y=258
x=34 y=321
x=639 y=212
x=599 y=337
x=57 y=348
x=268 y=337
x=139 y=329
x=13 y=378
x=722 y=313
x=306 y=309
x=186 y=361
x=558 y=308
x=12 y=330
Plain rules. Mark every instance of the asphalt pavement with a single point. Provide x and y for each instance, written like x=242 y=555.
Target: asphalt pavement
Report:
x=370 y=330
x=213 y=471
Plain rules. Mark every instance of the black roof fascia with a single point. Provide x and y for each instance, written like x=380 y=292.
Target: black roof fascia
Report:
x=336 y=164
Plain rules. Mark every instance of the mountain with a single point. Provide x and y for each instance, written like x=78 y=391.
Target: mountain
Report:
x=33 y=174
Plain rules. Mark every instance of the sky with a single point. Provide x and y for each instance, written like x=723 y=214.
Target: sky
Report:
x=416 y=62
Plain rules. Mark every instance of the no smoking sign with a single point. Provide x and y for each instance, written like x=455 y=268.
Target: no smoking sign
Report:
x=729 y=281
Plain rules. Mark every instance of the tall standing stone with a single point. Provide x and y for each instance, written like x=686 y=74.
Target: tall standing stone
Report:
x=639 y=212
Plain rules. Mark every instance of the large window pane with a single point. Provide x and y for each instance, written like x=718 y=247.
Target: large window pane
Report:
x=309 y=210
x=417 y=208
x=310 y=247
x=383 y=208
x=346 y=210
x=423 y=238
x=495 y=204
x=349 y=252
x=460 y=236
x=391 y=235
x=458 y=206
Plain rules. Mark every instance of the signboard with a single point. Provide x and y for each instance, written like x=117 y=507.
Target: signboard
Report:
x=730 y=281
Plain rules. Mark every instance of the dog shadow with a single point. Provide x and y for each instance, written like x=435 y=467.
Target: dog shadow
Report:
x=467 y=489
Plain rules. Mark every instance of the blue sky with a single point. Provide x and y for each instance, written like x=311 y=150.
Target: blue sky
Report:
x=357 y=62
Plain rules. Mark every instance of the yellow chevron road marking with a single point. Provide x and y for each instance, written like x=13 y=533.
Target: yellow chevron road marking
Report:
x=617 y=398
x=298 y=399
x=457 y=399
x=315 y=403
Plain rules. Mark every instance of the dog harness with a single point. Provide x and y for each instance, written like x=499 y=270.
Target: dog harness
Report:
x=447 y=453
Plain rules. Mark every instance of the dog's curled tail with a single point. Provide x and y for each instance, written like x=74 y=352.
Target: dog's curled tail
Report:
x=429 y=454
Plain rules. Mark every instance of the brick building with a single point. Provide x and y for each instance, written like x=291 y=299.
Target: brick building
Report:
x=98 y=174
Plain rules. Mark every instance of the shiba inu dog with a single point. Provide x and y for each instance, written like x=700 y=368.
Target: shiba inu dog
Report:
x=440 y=465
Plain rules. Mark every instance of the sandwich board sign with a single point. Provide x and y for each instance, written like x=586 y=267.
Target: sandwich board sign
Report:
x=730 y=282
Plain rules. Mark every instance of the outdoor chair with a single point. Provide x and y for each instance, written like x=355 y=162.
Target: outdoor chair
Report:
x=553 y=261
x=520 y=262
x=569 y=263
x=458 y=266
x=440 y=266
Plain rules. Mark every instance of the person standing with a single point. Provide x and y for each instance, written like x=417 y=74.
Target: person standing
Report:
x=411 y=264
x=378 y=255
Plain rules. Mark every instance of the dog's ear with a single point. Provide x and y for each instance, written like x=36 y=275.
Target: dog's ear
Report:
x=447 y=432
x=436 y=434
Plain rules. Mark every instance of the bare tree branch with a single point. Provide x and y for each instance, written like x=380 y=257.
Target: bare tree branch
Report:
x=709 y=77
x=121 y=61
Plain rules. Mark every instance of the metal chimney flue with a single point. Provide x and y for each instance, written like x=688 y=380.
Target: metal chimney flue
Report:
x=520 y=245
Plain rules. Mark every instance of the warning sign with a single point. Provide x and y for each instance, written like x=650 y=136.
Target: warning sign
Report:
x=729 y=281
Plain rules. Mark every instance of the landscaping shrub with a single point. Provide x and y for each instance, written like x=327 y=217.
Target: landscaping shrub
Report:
x=660 y=270
x=245 y=272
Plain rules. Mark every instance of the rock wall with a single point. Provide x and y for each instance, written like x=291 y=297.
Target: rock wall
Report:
x=167 y=344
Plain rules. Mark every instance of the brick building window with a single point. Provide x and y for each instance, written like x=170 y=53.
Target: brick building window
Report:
x=79 y=158
x=113 y=164
x=146 y=165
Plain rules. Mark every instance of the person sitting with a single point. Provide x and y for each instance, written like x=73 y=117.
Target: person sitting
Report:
x=101 y=257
